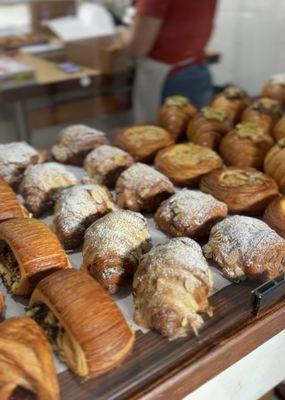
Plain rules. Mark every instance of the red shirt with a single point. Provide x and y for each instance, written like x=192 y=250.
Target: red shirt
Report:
x=186 y=29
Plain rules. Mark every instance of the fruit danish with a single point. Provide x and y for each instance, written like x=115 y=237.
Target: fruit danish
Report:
x=274 y=215
x=10 y=206
x=274 y=164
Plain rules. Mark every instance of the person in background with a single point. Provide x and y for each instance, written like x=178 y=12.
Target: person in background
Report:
x=168 y=39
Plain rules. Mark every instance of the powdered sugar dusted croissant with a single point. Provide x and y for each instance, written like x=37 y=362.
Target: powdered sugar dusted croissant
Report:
x=246 y=247
x=113 y=246
x=171 y=288
x=10 y=206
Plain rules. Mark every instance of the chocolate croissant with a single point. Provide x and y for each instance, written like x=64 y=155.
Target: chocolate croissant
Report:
x=274 y=215
x=279 y=130
x=245 y=146
x=275 y=89
x=29 y=251
x=10 y=206
x=171 y=288
x=175 y=114
x=26 y=360
x=76 y=208
x=246 y=247
x=2 y=304
x=274 y=164
x=113 y=246
x=84 y=325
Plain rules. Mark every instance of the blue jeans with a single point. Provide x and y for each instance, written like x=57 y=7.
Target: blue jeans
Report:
x=194 y=82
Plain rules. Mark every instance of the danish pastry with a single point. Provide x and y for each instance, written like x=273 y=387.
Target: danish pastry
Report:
x=190 y=213
x=171 y=288
x=279 y=129
x=274 y=164
x=246 y=247
x=244 y=190
x=186 y=163
x=113 y=246
x=141 y=187
x=275 y=89
x=29 y=250
x=84 y=325
x=10 y=206
x=274 y=215
x=75 y=142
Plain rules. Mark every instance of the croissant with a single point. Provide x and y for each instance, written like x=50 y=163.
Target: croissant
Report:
x=29 y=250
x=244 y=190
x=274 y=215
x=78 y=207
x=208 y=127
x=274 y=164
x=186 y=163
x=75 y=142
x=232 y=101
x=113 y=246
x=175 y=114
x=245 y=146
x=246 y=247
x=171 y=288
x=279 y=129
x=2 y=303
x=84 y=325
x=10 y=206
x=275 y=89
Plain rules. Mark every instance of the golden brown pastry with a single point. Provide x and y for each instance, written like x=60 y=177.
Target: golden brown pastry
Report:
x=208 y=127
x=186 y=163
x=142 y=188
x=171 y=288
x=14 y=159
x=232 y=101
x=26 y=360
x=244 y=190
x=29 y=250
x=274 y=164
x=40 y=183
x=274 y=215
x=246 y=247
x=76 y=209
x=265 y=112
x=10 y=206
x=279 y=129
x=190 y=213
x=245 y=146
x=2 y=304
x=113 y=246
x=175 y=114
x=84 y=325
x=275 y=89
x=143 y=141
x=106 y=163
x=75 y=142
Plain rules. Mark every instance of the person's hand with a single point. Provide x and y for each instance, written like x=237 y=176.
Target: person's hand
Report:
x=124 y=36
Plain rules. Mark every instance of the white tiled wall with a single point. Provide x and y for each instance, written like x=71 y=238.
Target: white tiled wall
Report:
x=250 y=34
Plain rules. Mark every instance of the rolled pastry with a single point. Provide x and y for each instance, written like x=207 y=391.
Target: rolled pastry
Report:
x=86 y=328
x=10 y=206
x=274 y=215
x=2 y=304
x=274 y=164
x=279 y=129
x=275 y=89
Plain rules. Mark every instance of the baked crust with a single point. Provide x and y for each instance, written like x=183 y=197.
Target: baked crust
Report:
x=10 y=206
x=246 y=247
x=36 y=252
x=190 y=213
x=76 y=208
x=274 y=164
x=143 y=141
x=141 y=187
x=244 y=190
x=275 y=89
x=2 y=304
x=75 y=142
x=26 y=360
x=94 y=336
x=274 y=215
x=279 y=129
x=171 y=288
x=106 y=163
x=186 y=163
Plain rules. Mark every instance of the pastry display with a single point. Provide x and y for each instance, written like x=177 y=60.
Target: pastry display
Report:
x=10 y=206
x=186 y=163
x=171 y=288
x=246 y=247
x=274 y=215
x=76 y=208
x=75 y=142
x=84 y=325
x=29 y=250
x=232 y=101
x=275 y=89
x=106 y=163
x=113 y=246
x=245 y=146
x=190 y=213
x=41 y=182
x=175 y=114
x=26 y=360
x=142 y=188
x=244 y=190
x=2 y=304
x=274 y=164
x=15 y=157
x=208 y=127
x=279 y=129
x=143 y=141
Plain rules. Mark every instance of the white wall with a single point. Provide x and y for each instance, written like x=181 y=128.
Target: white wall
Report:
x=250 y=34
